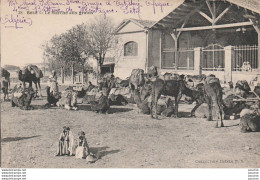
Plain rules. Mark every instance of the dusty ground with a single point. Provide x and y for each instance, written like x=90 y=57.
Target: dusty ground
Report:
x=124 y=139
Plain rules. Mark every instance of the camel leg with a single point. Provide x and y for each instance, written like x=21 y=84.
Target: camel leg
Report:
x=156 y=103
x=39 y=84
x=30 y=84
x=6 y=95
x=151 y=108
x=36 y=87
x=209 y=102
x=220 y=113
x=177 y=100
x=194 y=109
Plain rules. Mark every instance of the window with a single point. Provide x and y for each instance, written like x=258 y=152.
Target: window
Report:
x=131 y=49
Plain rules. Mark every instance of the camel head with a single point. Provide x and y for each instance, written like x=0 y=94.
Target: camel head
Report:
x=242 y=87
x=257 y=90
x=29 y=91
x=152 y=71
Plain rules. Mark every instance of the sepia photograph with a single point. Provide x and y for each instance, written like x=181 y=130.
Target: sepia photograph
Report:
x=130 y=84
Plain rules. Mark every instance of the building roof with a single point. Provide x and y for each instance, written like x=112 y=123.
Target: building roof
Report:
x=253 y=5
x=187 y=10
x=145 y=24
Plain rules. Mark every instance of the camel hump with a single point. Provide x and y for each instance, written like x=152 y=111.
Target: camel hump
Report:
x=210 y=80
x=137 y=76
x=36 y=70
x=137 y=72
x=5 y=73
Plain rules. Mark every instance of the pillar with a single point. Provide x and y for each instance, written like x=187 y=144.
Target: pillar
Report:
x=258 y=63
x=197 y=63
x=72 y=73
x=228 y=63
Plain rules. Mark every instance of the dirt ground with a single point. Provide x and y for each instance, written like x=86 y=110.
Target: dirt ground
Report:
x=124 y=139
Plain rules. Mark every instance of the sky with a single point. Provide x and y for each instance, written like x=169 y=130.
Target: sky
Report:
x=22 y=45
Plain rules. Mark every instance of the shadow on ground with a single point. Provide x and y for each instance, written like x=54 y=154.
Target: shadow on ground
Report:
x=112 y=110
x=232 y=125
x=102 y=151
x=116 y=110
x=11 y=139
x=184 y=114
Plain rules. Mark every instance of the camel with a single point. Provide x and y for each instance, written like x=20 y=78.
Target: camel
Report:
x=172 y=88
x=250 y=122
x=22 y=97
x=136 y=79
x=213 y=97
x=5 y=82
x=102 y=106
x=152 y=72
x=209 y=92
x=31 y=73
x=242 y=89
x=141 y=104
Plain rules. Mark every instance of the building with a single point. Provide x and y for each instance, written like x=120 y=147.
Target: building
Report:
x=133 y=40
x=199 y=36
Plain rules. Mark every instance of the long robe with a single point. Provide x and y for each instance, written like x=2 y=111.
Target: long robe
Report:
x=64 y=144
x=82 y=150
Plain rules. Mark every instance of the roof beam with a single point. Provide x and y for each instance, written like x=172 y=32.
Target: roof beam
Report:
x=161 y=24
x=179 y=33
x=186 y=18
x=205 y=16
x=210 y=9
x=216 y=26
x=222 y=14
x=257 y=28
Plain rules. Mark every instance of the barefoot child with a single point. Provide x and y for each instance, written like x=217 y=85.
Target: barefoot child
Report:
x=82 y=150
x=64 y=142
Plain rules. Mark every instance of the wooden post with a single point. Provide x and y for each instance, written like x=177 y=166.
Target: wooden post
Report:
x=160 y=43
x=62 y=75
x=72 y=73
x=197 y=61
x=228 y=63
x=176 y=53
x=176 y=49
x=82 y=80
x=258 y=63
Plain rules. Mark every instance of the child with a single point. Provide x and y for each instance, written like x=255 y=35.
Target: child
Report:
x=64 y=142
x=82 y=150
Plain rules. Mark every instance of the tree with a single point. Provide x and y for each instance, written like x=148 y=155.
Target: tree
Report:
x=67 y=50
x=100 y=38
x=77 y=47
x=54 y=52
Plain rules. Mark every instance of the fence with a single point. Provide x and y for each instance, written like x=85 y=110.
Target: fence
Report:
x=245 y=58
x=185 y=59
x=213 y=58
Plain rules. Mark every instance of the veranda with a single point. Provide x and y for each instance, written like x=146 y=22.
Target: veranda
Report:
x=211 y=37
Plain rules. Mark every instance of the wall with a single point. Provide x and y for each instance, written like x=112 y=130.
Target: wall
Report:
x=154 y=48
x=125 y=64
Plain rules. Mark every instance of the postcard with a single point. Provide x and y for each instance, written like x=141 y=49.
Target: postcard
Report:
x=130 y=84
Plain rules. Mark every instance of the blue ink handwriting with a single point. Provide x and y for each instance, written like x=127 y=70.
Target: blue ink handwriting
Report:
x=15 y=21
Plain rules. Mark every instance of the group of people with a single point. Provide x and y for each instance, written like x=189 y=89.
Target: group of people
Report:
x=74 y=147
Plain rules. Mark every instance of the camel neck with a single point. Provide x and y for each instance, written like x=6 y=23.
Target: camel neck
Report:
x=188 y=92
